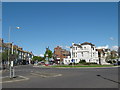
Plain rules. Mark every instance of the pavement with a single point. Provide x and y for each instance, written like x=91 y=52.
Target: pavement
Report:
x=41 y=77
x=7 y=79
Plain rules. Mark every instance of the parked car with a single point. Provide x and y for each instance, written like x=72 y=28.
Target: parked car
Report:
x=46 y=64
x=118 y=63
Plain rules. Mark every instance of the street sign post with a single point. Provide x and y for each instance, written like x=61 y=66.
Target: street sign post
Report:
x=11 y=63
x=12 y=71
x=73 y=61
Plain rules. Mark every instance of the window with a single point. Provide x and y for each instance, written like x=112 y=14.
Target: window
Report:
x=93 y=48
x=73 y=54
x=85 y=48
x=73 y=48
x=76 y=48
x=82 y=54
x=76 y=60
x=64 y=55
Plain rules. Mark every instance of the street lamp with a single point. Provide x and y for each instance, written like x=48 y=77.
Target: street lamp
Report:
x=10 y=62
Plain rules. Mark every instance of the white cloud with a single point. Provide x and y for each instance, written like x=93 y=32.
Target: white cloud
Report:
x=67 y=46
x=114 y=48
x=103 y=47
x=61 y=46
x=35 y=55
x=111 y=38
x=41 y=55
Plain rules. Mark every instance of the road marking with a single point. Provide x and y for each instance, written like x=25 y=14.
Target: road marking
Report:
x=47 y=76
x=57 y=75
x=24 y=78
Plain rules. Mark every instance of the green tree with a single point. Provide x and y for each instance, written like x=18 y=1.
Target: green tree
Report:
x=5 y=55
x=49 y=53
x=38 y=58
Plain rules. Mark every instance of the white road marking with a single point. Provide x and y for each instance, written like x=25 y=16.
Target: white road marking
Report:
x=47 y=76
x=24 y=78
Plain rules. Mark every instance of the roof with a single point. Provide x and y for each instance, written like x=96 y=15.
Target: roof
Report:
x=77 y=45
x=58 y=47
x=87 y=43
x=114 y=52
x=100 y=50
x=15 y=46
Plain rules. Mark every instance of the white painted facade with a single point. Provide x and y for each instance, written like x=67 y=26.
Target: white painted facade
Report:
x=103 y=55
x=85 y=51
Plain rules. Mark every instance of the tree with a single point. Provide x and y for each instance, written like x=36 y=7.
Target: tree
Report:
x=49 y=52
x=5 y=55
x=35 y=58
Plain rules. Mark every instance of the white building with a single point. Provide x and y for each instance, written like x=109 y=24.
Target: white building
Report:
x=85 y=51
x=102 y=54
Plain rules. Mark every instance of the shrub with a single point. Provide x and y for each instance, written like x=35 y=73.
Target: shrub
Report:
x=114 y=61
x=70 y=64
x=109 y=62
x=86 y=63
x=82 y=61
x=93 y=63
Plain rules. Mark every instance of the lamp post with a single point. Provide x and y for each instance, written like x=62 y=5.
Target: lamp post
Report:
x=10 y=63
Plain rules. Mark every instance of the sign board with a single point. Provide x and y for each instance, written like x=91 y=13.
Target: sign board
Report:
x=11 y=63
x=73 y=60
x=12 y=57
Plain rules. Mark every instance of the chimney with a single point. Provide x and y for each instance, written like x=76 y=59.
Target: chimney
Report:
x=73 y=43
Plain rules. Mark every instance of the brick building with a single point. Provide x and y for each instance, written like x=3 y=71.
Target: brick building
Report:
x=59 y=54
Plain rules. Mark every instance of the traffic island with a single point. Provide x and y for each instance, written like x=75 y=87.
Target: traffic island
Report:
x=14 y=79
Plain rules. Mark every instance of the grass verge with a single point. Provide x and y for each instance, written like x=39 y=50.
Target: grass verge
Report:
x=83 y=66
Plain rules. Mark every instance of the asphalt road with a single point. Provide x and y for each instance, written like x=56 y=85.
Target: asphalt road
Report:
x=67 y=77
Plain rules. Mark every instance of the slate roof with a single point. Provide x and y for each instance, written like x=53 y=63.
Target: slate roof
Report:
x=87 y=43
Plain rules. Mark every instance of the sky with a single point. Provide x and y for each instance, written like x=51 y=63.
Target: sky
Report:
x=53 y=24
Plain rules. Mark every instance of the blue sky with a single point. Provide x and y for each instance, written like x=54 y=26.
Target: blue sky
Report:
x=51 y=24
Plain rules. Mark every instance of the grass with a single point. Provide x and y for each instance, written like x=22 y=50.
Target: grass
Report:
x=83 y=66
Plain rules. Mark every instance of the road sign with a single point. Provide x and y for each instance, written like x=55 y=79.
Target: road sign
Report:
x=12 y=57
x=11 y=63
x=73 y=60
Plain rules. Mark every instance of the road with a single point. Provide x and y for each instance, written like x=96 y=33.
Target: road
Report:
x=67 y=77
